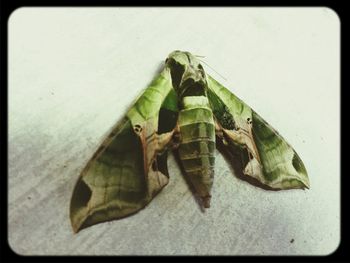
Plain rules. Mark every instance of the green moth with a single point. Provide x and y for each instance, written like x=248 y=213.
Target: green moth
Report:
x=186 y=110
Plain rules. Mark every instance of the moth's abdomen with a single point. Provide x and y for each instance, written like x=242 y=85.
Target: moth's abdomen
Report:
x=197 y=144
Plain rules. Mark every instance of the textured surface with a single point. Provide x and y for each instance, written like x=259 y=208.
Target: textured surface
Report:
x=74 y=72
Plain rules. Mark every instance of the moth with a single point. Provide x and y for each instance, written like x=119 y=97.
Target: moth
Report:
x=183 y=109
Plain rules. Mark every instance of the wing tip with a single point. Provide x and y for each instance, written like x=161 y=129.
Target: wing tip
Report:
x=306 y=183
x=78 y=219
x=76 y=228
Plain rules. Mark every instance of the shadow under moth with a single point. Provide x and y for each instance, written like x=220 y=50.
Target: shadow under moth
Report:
x=185 y=110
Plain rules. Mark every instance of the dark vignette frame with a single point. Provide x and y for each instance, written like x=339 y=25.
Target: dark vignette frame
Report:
x=341 y=254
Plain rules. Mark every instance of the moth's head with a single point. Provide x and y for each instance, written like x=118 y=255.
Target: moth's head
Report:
x=186 y=71
x=183 y=57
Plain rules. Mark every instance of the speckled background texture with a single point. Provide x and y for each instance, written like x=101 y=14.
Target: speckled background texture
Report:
x=73 y=72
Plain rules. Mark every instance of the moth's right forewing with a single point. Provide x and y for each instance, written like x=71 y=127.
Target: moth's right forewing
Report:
x=267 y=157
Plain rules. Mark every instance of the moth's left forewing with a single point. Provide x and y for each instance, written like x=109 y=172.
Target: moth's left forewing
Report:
x=265 y=155
x=130 y=166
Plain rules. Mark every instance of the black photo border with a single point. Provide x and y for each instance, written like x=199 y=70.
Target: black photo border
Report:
x=341 y=254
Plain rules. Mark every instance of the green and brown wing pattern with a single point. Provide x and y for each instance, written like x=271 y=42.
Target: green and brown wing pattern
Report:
x=129 y=168
x=267 y=157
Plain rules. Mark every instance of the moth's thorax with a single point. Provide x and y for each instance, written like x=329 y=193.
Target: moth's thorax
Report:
x=187 y=73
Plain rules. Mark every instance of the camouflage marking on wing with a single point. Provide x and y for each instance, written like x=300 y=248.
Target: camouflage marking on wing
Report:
x=130 y=167
x=267 y=157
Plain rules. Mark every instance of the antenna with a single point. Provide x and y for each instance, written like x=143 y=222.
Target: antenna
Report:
x=199 y=56
x=210 y=67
